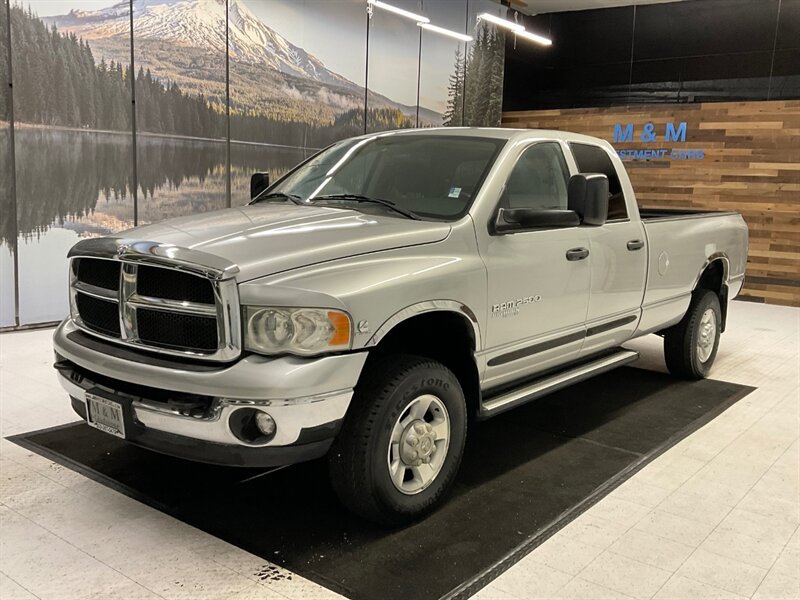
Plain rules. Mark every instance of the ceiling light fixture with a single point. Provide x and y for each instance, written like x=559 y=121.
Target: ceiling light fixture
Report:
x=539 y=39
x=399 y=11
x=516 y=28
x=501 y=22
x=443 y=31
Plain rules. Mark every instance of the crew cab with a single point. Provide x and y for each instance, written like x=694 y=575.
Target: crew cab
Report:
x=373 y=301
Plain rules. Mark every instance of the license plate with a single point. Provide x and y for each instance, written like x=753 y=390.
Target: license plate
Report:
x=105 y=415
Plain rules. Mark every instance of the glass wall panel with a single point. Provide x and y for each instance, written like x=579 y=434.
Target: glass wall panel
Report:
x=8 y=229
x=72 y=139
x=296 y=82
x=393 y=69
x=441 y=81
x=483 y=96
x=179 y=57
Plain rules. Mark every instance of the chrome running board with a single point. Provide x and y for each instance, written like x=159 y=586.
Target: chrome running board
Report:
x=550 y=383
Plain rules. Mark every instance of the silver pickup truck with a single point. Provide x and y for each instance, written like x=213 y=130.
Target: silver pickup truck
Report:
x=382 y=294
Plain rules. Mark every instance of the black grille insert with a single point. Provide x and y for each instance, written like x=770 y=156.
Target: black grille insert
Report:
x=177 y=330
x=173 y=285
x=97 y=272
x=99 y=315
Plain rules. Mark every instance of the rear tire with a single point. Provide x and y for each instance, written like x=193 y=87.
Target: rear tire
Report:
x=690 y=347
x=402 y=440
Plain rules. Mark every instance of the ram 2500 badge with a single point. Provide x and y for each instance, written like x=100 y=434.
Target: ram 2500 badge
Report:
x=373 y=300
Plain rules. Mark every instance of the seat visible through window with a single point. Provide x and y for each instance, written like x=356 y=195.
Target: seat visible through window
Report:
x=539 y=179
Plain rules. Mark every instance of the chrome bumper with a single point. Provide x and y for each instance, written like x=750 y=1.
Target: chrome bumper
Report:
x=300 y=394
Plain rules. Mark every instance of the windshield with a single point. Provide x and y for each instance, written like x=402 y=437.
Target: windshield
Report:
x=435 y=176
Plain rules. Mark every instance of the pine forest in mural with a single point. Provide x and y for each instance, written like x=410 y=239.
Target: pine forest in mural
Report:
x=475 y=93
x=64 y=85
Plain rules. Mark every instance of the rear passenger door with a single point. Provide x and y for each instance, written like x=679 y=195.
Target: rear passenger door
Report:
x=618 y=258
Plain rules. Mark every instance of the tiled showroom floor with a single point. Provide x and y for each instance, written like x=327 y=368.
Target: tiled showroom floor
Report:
x=715 y=517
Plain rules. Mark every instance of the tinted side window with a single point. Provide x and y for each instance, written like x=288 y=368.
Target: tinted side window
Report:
x=539 y=179
x=593 y=159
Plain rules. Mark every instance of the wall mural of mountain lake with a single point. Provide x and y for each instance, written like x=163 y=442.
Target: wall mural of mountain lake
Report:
x=8 y=231
x=297 y=71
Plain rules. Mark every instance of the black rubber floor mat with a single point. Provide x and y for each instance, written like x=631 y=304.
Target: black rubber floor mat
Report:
x=525 y=474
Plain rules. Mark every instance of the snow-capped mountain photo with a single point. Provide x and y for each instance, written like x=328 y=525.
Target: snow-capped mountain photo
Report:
x=183 y=41
x=200 y=24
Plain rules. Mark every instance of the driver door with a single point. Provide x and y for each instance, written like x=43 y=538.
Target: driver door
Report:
x=538 y=290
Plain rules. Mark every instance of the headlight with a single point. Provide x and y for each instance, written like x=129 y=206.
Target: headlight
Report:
x=303 y=331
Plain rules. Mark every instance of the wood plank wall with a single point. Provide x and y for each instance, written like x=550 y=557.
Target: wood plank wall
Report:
x=751 y=165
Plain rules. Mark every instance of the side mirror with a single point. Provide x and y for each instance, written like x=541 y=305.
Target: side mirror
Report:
x=587 y=195
x=258 y=183
x=520 y=219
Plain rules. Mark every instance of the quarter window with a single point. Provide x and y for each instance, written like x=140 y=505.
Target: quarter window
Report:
x=539 y=179
x=593 y=159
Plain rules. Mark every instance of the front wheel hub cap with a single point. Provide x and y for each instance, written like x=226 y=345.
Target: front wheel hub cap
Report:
x=418 y=444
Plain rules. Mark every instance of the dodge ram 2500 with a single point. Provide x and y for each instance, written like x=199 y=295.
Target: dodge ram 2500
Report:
x=373 y=300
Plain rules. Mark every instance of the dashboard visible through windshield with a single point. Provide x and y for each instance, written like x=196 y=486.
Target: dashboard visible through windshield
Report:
x=416 y=176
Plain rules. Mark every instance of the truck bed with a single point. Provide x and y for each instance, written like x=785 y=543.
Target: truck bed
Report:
x=662 y=214
x=680 y=245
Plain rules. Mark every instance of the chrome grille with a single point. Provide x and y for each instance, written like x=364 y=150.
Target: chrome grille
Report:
x=171 y=330
x=150 y=281
x=175 y=308
x=98 y=315
x=100 y=273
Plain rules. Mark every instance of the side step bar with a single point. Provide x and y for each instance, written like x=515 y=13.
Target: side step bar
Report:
x=551 y=383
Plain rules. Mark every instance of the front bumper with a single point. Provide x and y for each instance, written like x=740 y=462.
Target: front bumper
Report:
x=307 y=398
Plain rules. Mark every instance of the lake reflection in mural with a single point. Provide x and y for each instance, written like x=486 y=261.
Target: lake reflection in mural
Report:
x=65 y=196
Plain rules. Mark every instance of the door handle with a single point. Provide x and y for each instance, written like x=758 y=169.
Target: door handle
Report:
x=635 y=245
x=577 y=253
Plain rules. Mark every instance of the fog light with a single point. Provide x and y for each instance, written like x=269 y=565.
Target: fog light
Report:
x=265 y=424
x=252 y=426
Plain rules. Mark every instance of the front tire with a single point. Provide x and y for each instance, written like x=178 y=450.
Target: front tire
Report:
x=402 y=441
x=690 y=347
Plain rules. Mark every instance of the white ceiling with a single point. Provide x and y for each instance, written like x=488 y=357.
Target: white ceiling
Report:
x=548 y=6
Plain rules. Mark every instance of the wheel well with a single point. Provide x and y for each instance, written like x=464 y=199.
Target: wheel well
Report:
x=713 y=278
x=446 y=337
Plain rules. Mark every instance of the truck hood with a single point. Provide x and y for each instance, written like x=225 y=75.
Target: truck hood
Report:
x=264 y=239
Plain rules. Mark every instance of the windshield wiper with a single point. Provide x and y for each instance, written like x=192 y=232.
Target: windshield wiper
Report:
x=361 y=198
x=291 y=197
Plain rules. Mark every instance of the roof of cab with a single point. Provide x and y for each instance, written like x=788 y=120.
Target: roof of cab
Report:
x=504 y=133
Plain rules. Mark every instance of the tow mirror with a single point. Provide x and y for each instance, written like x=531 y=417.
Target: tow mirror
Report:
x=520 y=219
x=258 y=183
x=587 y=195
